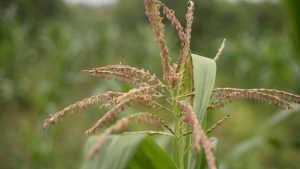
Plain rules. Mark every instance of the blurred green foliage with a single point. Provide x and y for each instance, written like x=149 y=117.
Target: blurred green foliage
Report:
x=45 y=44
x=294 y=19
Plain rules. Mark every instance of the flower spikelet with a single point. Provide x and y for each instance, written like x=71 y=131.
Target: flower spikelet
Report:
x=188 y=31
x=200 y=138
x=250 y=94
x=218 y=123
x=149 y=119
x=112 y=113
x=145 y=92
x=170 y=15
x=152 y=11
x=130 y=74
x=220 y=50
x=220 y=92
x=104 y=74
x=83 y=104
x=188 y=28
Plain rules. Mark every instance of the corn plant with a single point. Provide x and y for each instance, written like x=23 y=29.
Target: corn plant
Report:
x=186 y=92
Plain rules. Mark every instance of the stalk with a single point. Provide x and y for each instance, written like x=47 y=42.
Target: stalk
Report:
x=180 y=140
x=180 y=144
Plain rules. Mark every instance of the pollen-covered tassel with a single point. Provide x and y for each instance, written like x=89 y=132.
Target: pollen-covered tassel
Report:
x=200 y=138
x=152 y=11
x=122 y=102
x=122 y=77
x=112 y=113
x=83 y=104
x=189 y=22
x=139 y=75
x=147 y=118
x=145 y=93
x=188 y=31
x=255 y=95
x=219 y=92
x=170 y=14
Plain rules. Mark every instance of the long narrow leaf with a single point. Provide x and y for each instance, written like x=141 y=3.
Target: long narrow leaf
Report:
x=204 y=72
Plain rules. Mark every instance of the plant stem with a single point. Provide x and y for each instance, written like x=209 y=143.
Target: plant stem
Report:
x=180 y=144
x=179 y=130
x=181 y=141
x=177 y=147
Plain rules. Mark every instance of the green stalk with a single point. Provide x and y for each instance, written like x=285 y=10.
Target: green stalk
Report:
x=181 y=140
x=178 y=145
x=181 y=143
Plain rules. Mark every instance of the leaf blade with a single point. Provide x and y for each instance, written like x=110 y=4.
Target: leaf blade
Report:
x=115 y=154
x=150 y=155
x=204 y=71
x=127 y=152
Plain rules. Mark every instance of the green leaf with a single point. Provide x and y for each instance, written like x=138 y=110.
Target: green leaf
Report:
x=204 y=72
x=116 y=152
x=127 y=151
x=150 y=155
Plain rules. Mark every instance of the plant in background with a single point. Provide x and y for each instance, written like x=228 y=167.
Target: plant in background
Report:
x=186 y=93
